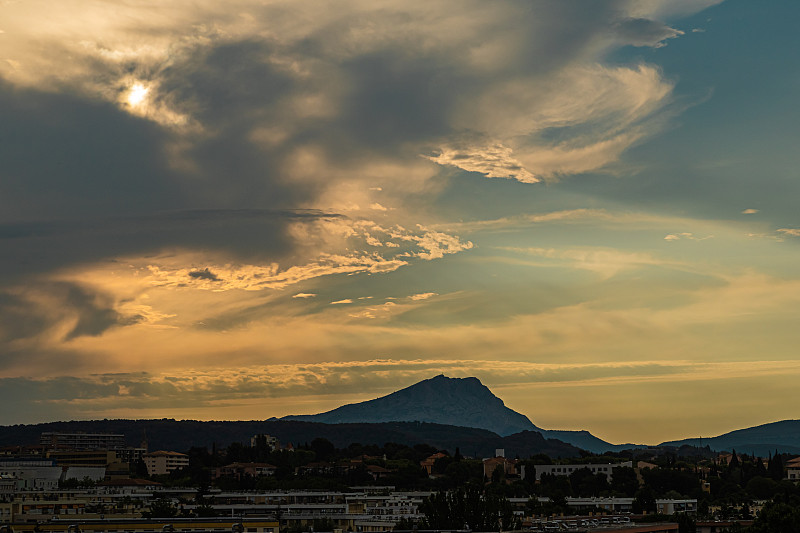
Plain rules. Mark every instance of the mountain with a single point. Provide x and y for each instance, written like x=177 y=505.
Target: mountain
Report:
x=760 y=440
x=181 y=435
x=454 y=401
x=586 y=441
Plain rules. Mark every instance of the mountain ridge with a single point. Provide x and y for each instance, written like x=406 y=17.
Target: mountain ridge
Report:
x=441 y=400
x=783 y=435
x=462 y=402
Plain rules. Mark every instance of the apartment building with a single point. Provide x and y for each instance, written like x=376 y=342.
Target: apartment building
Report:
x=163 y=462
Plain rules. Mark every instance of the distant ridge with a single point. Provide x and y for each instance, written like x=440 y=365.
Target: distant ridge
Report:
x=181 y=435
x=441 y=400
x=760 y=440
x=586 y=441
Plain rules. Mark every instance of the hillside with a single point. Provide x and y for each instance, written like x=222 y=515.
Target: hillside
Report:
x=180 y=435
x=783 y=436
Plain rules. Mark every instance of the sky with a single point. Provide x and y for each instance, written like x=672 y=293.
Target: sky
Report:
x=246 y=209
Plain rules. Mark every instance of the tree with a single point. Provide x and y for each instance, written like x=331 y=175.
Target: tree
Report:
x=205 y=510
x=775 y=467
x=777 y=518
x=584 y=482
x=644 y=500
x=323 y=448
x=734 y=461
x=624 y=481
x=468 y=508
x=761 y=488
x=161 y=508
x=685 y=523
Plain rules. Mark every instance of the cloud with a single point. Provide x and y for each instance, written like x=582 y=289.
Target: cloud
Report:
x=604 y=261
x=58 y=312
x=686 y=236
x=385 y=78
x=173 y=173
x=645 y=32
x=492 y=161
x=750 y=211
x=35 y=248
x=793 y=232
x=423 y=296
x=204 y=274
x=345 y=301
x=434 y=244
x=580 y=216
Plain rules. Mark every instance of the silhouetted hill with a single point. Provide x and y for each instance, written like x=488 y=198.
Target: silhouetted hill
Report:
x=180 y=435
x=453 y=401
x=586 y=441
x=760 y=440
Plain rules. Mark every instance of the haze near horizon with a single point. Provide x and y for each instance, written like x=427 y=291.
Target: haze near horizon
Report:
x=259 y=209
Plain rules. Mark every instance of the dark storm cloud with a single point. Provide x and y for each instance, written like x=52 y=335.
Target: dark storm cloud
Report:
x=29 y=312
x=230 y=84
x=63 y=156
x=204 y=274
x=38 y=247
x=397 y=99
x=67 y=158
x=82 y=180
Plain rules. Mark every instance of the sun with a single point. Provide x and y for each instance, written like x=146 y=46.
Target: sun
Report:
x=137 y=94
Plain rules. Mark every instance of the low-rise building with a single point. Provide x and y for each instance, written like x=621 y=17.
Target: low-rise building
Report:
x=669 y=506
x=164 y=462
x=565 y=470
x=240 y=470
x=428 y=462
x=509 y=467
x=55 y=440
x=268 y=440
x=793 y=469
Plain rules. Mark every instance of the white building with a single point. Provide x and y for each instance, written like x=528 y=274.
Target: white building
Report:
x=676 y=506
x=565 y=470
x=31 y=475
x=163 y=462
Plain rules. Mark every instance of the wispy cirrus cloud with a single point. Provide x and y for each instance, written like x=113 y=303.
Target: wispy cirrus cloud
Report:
x=686 y=236
x=604 y=261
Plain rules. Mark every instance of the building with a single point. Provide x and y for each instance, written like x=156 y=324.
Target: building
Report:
x=676 y=506
x=240 y=470
x=66 y=524
x=163 y=462
x=427 y=464
x=54 y=440
x=719 y=526
x=565 y=470
x=793 y=469
x=31 y=475
x=625 y=505
x=610 y=504
x=510 y=467
x=268 y=440
x=96 y=458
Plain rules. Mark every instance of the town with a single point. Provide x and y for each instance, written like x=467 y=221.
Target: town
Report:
x=97 y=482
